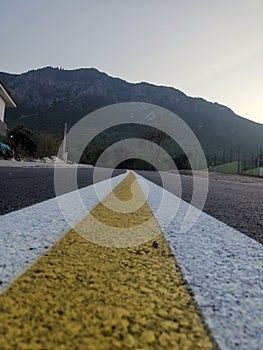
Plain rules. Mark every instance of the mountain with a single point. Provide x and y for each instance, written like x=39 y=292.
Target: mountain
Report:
x=49 y=97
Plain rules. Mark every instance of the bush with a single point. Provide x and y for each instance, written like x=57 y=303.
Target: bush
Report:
x=47 y=145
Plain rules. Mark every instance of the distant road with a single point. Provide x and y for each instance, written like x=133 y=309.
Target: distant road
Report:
x=238 y=203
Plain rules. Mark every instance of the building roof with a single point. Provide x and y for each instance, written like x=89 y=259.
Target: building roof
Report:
x=6 y=96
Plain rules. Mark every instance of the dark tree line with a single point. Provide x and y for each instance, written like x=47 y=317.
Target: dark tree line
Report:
x=28 y=144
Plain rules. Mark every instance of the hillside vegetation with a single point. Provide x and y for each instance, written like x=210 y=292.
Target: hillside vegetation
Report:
x=49 y=97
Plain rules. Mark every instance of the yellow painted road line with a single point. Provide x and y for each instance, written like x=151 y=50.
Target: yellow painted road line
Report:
x=27 y=233
x=222 y=266
x=81 y=295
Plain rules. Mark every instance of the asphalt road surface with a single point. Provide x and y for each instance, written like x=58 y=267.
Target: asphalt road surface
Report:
x=237 y=201
x=22 y=187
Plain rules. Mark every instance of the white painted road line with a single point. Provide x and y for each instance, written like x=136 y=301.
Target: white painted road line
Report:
x=223 y=268
x=27 y=233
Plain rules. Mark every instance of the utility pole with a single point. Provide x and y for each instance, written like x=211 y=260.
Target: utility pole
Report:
x=64 y=149
x=238 y=160
x=245 y=162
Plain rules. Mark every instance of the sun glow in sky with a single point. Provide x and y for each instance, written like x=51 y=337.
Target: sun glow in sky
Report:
x=206 y=48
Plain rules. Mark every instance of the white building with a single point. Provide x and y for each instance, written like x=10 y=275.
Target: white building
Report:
x=6 y=100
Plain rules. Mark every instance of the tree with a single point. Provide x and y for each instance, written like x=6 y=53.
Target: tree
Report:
x=155 y=135
x=24 y=140
x=182 y=162
x=158 y=137
x=47 y=145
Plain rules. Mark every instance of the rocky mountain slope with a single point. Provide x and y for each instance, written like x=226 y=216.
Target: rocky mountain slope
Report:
x=49 y=97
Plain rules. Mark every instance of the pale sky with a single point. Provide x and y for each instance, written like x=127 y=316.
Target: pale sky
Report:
x=206 y=48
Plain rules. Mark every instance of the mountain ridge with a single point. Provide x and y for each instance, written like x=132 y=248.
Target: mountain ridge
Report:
x=48 y=97
x=131 y=83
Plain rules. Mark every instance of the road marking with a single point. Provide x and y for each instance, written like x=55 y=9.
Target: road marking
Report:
x=27 y=233
x=85 y=296
x=223 y=268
